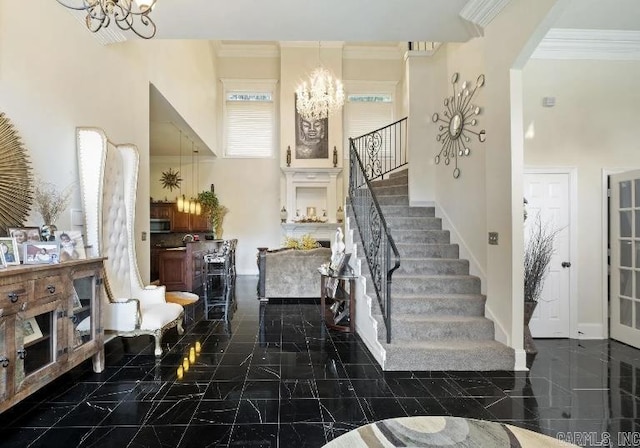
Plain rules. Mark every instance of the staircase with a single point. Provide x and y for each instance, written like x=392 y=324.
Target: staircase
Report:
x=437 y=314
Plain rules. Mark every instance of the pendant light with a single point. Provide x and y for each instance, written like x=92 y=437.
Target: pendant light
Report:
x=198 y=205
x=180 y=202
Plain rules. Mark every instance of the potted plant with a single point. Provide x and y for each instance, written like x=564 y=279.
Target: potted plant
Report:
x=537 y=256
x=212 y=207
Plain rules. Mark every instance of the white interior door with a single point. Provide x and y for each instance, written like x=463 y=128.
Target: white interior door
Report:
x=548 y=196
x=624 y=236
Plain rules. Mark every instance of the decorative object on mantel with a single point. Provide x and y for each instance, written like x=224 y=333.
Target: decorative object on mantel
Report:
x=459 y=113
x=340 y=215
x=335 y=157
x=288 y=155
x=50 y=203
x=170 y=179
x=283 y=215
x=215 y=211
x=127 y=14
x=16 y=177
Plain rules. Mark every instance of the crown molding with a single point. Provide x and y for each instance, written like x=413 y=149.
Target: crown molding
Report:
x=311 y=44
x=482 y=12
x=612 y=45
x=372 y=52
x=224 y=50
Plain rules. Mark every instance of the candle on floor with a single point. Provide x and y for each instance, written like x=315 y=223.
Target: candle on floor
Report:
x=192 y=355
x=180 y=372
x=185 y=364
x=198 y=347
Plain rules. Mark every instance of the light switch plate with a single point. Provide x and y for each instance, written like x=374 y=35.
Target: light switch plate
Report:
x=493 y=238
x=144 y=236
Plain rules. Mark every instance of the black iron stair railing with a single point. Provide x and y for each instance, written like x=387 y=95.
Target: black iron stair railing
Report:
x=372 y=156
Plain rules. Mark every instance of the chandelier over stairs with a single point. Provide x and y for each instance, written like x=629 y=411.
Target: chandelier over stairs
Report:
x=321 y=96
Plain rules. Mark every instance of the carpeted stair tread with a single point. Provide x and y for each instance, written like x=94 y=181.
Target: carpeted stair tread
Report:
x=415 y=250
x=414 y=222
x=436 y=305
x=433 y=266
x=407 y=211
x=449 y=355
x=412 y=327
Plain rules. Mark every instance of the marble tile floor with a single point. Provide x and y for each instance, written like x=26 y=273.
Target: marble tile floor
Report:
x=275 y=377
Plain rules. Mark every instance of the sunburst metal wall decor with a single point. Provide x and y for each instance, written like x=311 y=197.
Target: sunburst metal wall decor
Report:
x=170 y=179
x=458 y=118
x=16 y=178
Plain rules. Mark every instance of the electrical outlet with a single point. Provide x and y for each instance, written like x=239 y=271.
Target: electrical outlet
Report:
x=144 y=236
x=493 y=238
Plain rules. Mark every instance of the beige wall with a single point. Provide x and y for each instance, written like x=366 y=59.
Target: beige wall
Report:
x=60 y=77
x=592 y=127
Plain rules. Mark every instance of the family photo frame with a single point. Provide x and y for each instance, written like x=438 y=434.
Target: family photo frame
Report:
x=44 y=252
x=10 y=251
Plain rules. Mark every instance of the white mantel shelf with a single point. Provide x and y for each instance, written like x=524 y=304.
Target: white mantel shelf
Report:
x=319 y=230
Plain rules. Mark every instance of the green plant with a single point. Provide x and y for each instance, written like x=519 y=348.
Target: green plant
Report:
x=216 y=212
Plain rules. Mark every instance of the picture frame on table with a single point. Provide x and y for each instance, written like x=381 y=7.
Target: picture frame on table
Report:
x=24 y=235
x=44 y=252
x=3 y=263
x=30 y=330
x=71 y=245
x=10 y=250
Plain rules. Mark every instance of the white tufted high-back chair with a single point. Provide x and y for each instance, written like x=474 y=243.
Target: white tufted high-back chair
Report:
x=108 y=177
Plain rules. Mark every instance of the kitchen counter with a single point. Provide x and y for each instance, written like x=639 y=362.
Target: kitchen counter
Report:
x=180 y=268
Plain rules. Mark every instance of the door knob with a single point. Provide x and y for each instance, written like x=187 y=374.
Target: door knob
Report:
x=566 y=264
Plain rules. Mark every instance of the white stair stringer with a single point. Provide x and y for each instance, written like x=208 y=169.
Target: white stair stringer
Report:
x=366 y=323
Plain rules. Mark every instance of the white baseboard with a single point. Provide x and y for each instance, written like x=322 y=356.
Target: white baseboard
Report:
x=591 y=331
x=521 y=360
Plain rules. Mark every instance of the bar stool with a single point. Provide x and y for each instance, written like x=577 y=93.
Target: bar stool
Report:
x=217 y=282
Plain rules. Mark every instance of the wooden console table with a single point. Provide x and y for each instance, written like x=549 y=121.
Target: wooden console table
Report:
x=50 y=321
x=345 y=295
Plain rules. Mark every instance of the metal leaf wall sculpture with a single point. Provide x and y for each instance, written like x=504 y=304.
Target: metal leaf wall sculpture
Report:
x=16 y=178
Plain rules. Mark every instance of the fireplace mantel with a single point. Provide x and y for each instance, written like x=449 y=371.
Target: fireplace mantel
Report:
x=321 y=178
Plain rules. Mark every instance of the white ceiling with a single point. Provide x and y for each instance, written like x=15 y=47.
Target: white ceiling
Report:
x=308 y=20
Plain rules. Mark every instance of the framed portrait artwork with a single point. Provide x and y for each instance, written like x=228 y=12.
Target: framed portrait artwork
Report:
x=71 y=245
x=31 y=330
x=312 y=138
x=44 y=252
x=9 y=249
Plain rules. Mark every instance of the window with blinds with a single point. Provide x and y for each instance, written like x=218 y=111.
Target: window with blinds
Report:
x=249 y=124
x=366 y=113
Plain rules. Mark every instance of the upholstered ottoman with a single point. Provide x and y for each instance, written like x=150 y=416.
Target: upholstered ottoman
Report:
x=188 y=301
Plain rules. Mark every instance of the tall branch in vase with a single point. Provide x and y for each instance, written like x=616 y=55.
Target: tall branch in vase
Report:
x=50 y=202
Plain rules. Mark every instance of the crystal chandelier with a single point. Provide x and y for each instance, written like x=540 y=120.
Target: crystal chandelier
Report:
x=127 y=14
x=321 y=96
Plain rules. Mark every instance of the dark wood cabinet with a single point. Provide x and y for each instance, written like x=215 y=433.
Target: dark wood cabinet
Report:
x=186 y=222
x=181 y=269
x=161 y=210
x=180 y=221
